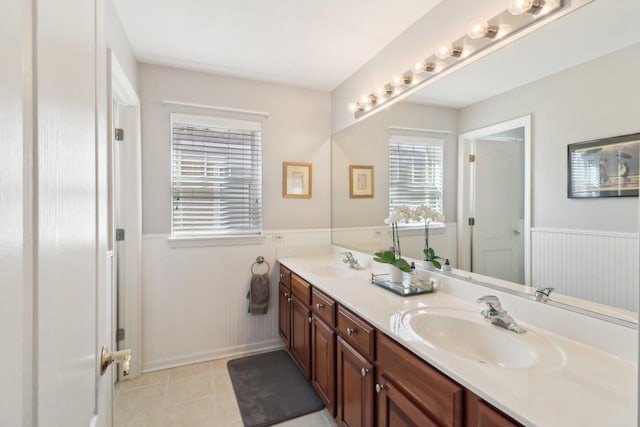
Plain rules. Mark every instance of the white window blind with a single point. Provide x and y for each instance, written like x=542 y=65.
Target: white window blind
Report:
x=216 y=176
x=415 y=172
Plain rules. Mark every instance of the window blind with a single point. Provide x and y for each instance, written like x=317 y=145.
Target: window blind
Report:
x=415 y=172
x=216 y=177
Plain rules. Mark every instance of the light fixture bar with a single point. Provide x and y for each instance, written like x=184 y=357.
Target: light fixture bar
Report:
x=482 y=34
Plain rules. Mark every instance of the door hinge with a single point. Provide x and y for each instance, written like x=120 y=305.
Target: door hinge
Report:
x=119 y=234
x=119 y=134
x=472 y=221
x=120 y=334
x=472 y=158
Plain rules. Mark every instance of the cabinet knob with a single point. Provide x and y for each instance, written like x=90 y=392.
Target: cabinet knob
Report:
x=310 y=319
x=286 y=294
x=351 y=331
x=319 y=305
x=364 y=372
x=288 y=299
x=379 y=388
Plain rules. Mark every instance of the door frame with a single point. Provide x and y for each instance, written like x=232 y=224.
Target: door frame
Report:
x=465 y=195
x=123 y=93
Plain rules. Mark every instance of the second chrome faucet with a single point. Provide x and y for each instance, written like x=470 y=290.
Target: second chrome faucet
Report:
x=497 y=315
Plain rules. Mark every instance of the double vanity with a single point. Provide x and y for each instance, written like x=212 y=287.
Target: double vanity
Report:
x=441 y=359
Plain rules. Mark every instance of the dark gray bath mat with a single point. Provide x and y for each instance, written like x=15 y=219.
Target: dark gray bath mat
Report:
x=271 y=389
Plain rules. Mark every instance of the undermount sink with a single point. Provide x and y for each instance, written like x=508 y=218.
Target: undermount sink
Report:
x=465 y=334
x=326 y=270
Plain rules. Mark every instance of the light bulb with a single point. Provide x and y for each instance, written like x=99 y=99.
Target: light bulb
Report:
x=353 y=107
x=481 y=28
x=518 y=7
x=397 y=80
x=364 y=99
x=420 y=67
x=444 y=50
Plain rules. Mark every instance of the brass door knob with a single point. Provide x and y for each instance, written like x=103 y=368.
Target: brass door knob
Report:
x=123 y=357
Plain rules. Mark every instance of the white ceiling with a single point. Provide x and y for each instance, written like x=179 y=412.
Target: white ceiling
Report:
x=308 y=43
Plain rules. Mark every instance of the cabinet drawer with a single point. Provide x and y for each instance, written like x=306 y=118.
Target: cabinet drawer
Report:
x=300 y=289
x=437 y=394
x=356 y=332
x=285 y=276
x=323 y=307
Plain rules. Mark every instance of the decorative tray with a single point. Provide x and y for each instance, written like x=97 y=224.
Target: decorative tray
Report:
x=405 y=288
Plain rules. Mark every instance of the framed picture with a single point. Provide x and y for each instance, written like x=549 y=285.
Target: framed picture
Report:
x=604 y=167
x=360 y=181
x=296 y=180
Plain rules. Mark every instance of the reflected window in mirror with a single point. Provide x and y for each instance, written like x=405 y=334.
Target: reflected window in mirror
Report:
x=415 y=172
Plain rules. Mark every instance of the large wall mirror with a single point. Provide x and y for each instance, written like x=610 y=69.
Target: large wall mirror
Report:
x=576 y=79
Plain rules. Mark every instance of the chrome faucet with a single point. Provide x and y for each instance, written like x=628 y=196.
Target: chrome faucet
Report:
x=542 y=294
x=350 y=259
x=497 y=315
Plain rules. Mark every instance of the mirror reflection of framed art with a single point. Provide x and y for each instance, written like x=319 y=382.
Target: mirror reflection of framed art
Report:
x=360 y=181
x=605 y=167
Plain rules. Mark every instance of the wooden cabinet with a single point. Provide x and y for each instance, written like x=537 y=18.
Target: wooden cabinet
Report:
x=356 y=332
x=323 y=362
x=301 y=336
x=438 y=396
x=354 y=387
x=481 y=414
x=284 y=305
x=396 y=410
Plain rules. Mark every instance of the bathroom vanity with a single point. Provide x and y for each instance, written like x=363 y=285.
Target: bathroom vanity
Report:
x=376 y=358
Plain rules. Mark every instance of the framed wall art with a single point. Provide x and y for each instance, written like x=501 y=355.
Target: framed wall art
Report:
x=605 y=167
x=296 y=180
x=360 y=181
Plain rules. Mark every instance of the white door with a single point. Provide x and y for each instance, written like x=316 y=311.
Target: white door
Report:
x=58 y=293
x=498 y=240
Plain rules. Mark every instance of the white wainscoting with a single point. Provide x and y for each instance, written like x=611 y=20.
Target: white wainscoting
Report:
x=597 y=266
x=194 y=298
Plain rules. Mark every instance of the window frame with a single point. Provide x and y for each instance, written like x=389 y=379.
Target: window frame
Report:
x=211 y=238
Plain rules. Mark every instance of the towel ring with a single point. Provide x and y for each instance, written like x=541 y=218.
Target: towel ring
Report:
x=259 y=261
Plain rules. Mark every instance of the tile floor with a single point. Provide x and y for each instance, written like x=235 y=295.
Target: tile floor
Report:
x=197 y=395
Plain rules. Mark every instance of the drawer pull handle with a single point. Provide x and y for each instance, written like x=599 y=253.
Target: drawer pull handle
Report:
x=379 y=388
x=351 y=331
x=364 y=372
x=282 y=275
x=319 y=305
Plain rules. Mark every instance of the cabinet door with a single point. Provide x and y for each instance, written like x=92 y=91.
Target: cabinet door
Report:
x=284 y=314
x=301 y=336
x=480 y=414
x=396 y=410
x=355 y=387
x=323 y=363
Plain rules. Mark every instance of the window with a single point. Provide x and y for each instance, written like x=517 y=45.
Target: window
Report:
x=415 y=172
x=216 y=177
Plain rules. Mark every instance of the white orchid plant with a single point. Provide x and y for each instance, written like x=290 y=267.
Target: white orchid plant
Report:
x=407 y=215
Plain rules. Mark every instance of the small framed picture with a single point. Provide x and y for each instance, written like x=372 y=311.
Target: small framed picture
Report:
x=296 y=180
x=360 y=181
x=604 y=167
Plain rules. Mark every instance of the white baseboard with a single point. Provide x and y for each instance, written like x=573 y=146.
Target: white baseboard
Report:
x=242 y=350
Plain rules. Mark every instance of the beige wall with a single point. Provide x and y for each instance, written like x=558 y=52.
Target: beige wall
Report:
x=597 y=99
x=298 y=129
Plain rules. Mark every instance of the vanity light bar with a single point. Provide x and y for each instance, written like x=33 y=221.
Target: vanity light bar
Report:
x=481 y=34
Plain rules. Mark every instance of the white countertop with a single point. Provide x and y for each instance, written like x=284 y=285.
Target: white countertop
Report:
x=589 y=387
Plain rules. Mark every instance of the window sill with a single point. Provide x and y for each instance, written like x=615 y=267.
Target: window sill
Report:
x=212 y=241
x=418 y=229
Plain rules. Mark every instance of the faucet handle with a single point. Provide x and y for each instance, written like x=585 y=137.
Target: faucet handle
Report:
x=493 y=302
x=542 y=294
